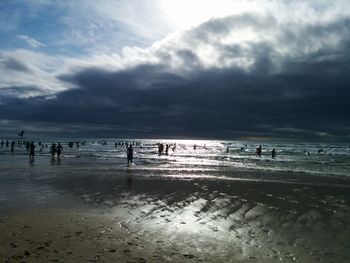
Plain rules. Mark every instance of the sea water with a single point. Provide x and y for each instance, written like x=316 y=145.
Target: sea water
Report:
x=196 y=158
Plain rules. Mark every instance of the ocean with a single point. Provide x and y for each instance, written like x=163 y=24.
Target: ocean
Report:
x=203 y=158
x=98 y=161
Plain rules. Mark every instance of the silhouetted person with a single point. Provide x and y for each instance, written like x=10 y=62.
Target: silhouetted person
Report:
x=273 y=154
x=167 y=149
x=31 y=151
x=7 y=144
x=194 y=147
x=53 y=150
x=59 y=150
x=12 y=146
x=227 y=149
x=129 y=154
x=160 y=148
x=258 y=151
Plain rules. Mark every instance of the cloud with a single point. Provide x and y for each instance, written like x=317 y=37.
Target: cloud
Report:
x=31 y=41
x=17 y=92
x=12 y=63
x=229 y=103
x=22 y=69
x=110 y=25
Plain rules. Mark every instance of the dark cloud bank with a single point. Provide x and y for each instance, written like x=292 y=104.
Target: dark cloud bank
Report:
x=306 y=99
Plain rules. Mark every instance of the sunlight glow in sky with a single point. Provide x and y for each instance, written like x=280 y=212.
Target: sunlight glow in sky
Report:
x=184 y=14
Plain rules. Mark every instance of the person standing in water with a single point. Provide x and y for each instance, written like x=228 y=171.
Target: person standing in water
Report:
x=31 y=151
x=129 y=154
x=273 y=154
x=258 y=151
x=12 y=146
x=59 y=150
x=53 y=150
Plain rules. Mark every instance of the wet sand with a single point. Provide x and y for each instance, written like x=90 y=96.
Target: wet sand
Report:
x=126 y=217
x=70 y=236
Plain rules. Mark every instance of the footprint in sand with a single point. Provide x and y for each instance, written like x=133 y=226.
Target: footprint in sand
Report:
x=40 y=248
x=189 y=256
x=47 y=244
x=214 y=228
x=138 y=260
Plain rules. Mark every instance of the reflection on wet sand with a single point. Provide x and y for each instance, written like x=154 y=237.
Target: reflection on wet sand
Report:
x=226 y=221
x=129 y=182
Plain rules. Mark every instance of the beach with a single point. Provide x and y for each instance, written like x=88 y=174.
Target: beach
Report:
x=166 y=131
x=87 y=209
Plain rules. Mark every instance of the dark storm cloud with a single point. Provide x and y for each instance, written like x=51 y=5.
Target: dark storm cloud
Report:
x=18 y=91
x=15 y=64
x=213 y=103
x=305 y=98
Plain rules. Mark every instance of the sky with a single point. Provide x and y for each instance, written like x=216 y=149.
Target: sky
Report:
x=225 y=69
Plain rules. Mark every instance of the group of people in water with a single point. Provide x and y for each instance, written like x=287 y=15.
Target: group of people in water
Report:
x=167 y=147
x=77 y=144
x=258 y=152
x=57 y=149
x=28 y=145
x=8 y=144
